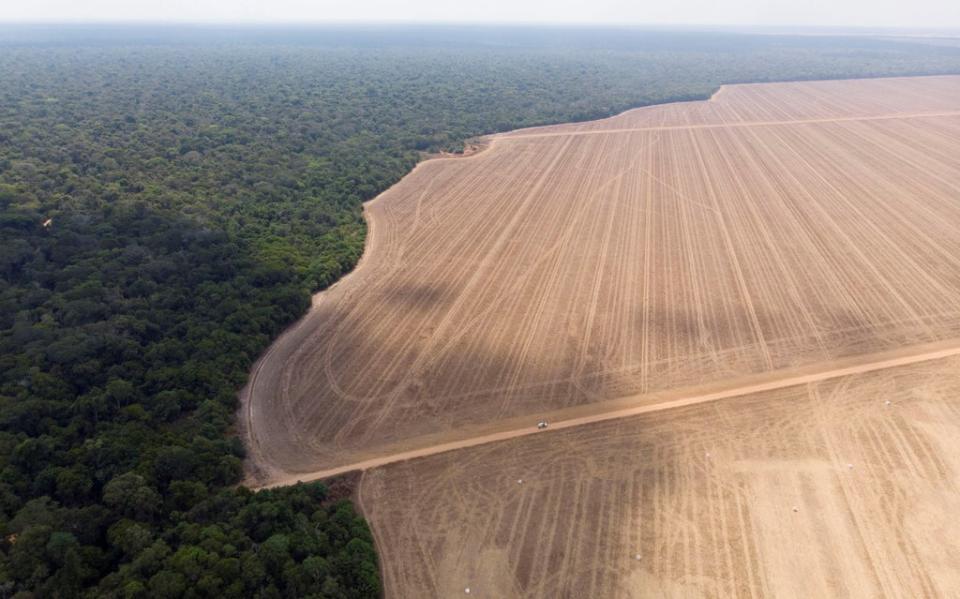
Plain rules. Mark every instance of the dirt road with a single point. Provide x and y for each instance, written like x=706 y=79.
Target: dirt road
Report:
x=886 y=117
x=636 y=405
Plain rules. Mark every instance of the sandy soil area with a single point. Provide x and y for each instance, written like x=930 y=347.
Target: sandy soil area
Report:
x=740 y=316
x=502 y=430
x=773 y=227
x=847 y=487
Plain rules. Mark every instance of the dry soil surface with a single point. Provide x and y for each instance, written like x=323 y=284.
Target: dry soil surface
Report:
x=772 y=227
x=848 y=487
x=743 y=315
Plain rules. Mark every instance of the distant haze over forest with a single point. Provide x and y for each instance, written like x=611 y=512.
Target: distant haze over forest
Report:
x=839 y=13
x=381 y=35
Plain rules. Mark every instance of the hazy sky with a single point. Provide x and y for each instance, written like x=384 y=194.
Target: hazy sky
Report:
x=886 y=13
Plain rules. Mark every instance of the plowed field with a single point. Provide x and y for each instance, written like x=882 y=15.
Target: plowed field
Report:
x=772 y=227
x=820 y=490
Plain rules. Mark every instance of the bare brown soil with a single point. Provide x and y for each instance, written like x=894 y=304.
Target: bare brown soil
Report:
x=818 y=490
x=790 y=249
x=502 y=430
x=773 y=227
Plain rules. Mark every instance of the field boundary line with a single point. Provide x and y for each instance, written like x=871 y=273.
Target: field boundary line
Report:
x=635 y=405
x=814 y=121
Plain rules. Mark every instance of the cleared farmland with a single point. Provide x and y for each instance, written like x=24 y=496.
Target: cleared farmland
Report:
x=774 y=226
x=843 y=488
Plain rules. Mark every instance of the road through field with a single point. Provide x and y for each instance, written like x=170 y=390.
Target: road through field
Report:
x=633 y=406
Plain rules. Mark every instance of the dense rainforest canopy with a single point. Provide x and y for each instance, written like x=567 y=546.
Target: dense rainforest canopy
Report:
x=168 y=200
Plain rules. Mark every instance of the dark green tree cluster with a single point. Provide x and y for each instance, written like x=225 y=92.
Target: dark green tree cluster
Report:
x=165 y=210
x=280 y=543
x=126 y=334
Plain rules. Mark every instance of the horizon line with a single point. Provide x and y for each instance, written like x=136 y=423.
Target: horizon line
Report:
x=307 y=24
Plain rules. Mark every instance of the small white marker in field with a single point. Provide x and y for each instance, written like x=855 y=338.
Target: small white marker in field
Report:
x=519 y=481
x=796 y=509
x=850 y=466
x=467 y=590
x=637 y=557
x=887 y=402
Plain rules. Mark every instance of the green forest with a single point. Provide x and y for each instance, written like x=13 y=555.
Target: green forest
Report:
x=169 y=198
